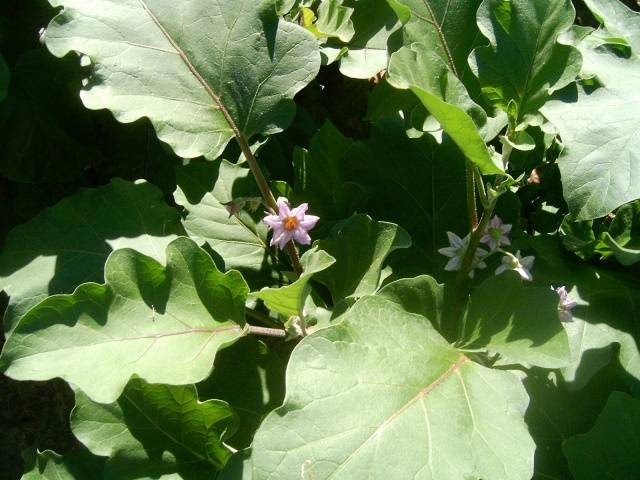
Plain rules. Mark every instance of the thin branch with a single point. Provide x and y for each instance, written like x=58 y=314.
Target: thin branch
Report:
x=268 y=332
x=472 y=209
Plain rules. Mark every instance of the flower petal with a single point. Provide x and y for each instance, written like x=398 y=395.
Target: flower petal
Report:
x=309 y=222
x=299 y=211
x=301 y=236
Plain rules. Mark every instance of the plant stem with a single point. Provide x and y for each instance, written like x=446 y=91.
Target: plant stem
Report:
x=472 y=209
x=268 y=332
x=474 y=243
x=482 y=192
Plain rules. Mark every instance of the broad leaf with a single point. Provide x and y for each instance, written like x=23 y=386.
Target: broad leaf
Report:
x=201 y=70
x=501 y=320
x=612 y=448
x=416 y=183
x=626 y=256
x=360 y=247
x=68 y=243
x=420 y=295
x=607 y=313
x=164 y=325
x=600 y=164
x=288 y=301
x=250 y=377
x=4 y=78
x=155 y=431
x=205 y=190
x=320 y=175
x=524 y=62
x=346 y=417
x=49 y=465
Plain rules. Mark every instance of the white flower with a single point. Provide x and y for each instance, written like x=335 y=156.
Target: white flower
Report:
x=522 y=265
x=564 y=304
x=290 y=224
x=456 y=251
x=496 y=234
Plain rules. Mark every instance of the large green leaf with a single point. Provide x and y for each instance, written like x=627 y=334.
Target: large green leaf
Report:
x=600 y=164
x=608 y=311
x=164 y=325
x=204 y=190
x=612 y=448
x=68 y=243
x=320 y=175
x=288 y=301
x=155 y=431
x=347 y=417
x=524 y=62
x=49 y=465
x=416 y=183
x=360 y=247
x=500 y=319
x=199 y=70
x=420 y=295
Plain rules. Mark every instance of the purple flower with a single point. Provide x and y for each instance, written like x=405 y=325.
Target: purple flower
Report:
x=290 y=224
x=456 y=251
x=564 y=304
x=522 y=265
x=496 y=234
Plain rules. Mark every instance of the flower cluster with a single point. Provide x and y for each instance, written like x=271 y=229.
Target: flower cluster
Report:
x=494 y=237
x=290 y=223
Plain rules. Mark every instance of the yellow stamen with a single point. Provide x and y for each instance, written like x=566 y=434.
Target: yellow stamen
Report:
x=290 y=223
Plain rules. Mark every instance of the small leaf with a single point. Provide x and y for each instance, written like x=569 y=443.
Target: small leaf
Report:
x=524 y=62
x=360 y=247
x=288 y=301
x=164 y=325
x=49 y=465
x=348 y=416
x=155 y=430
x=501 y=320
x=201 y=70
x=67 y=244
x=611 y=448
x=334 y=20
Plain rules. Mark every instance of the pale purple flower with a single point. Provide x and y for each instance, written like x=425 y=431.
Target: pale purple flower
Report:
x=522 y=265
x=565 y=305
x=290 y=224
x=456 y=251
x=496 y=234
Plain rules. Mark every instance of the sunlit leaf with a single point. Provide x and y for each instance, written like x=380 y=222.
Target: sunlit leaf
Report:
x=163 y=324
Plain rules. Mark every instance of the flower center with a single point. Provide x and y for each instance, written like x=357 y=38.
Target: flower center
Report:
x=495 y=233
x=290 y=223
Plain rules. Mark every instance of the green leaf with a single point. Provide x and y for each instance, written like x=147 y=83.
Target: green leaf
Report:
x=420 y=295
x=68 y=243
x=288 y=301
x=334 y=20
x=500 y=319
x=433 y=404
x=250 y=377
x=600 y=160
x=320 y=177
x=43 y=125
x=204 y=190
x=386 y=101
x=49 y=465
x=416 y=183
x=199 y=70
x=360 y=247
x=374 y=22
x=4 y=78
x=285 y=6
x=446 y=98
x=611 y=449
x=607 y=313
x=155 y=431
x=524 y=61
x=164 y=325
